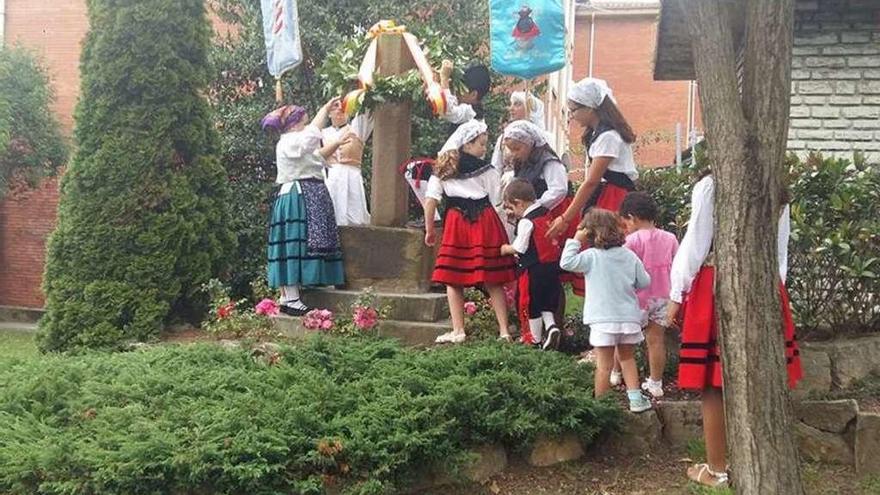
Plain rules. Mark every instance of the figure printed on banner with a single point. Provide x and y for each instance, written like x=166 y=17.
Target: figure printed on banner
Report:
x=526 y=30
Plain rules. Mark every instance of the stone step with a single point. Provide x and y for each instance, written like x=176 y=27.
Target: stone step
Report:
x=412 y=333
x=20 y=314
x=422 y=307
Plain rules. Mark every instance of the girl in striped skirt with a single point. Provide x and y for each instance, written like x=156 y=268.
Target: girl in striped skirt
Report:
x=304 y=245
x=470 y=250
x=692 y=280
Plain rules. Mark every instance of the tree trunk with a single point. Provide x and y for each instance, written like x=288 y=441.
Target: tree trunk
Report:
x=747 y=135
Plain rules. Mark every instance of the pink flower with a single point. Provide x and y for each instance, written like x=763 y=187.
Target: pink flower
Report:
x=267 y=307
x=470 y=307
x=318 y=319
x=365 y=318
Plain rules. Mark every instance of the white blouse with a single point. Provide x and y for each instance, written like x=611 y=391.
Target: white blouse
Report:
x=697 y=241
x=361 y=126
x=297 y=157
x=457 y=113
x=487 y=183
x=524 y=230
x=556 y=177
x=610 y=144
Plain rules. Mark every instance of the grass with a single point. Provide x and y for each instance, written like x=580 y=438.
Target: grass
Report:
x=17 y=344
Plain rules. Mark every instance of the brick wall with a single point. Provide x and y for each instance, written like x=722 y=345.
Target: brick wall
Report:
x=835 y=105
x=54 y=31
x=623 y=55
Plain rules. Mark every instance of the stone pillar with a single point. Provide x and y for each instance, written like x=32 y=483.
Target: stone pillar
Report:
x=391 y=140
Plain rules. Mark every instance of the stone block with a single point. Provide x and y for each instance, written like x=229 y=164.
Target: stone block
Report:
x=843 y=50
x=863 y=61
x=867 y=444
x=548 y=451
x=798 y=50
x=871 y=74
x=682 y=422
x=639 y=434
x=863 y=112
x=799 y=111
x=825 y=112
x=813 y=134
x=428 y=306
x=867 y=124
x=826 y=61
x=805 y=124
x=855 y=37
x=816 y=38
x=852 y=359
x=836 y=124
x=854 y=135
x=845 y=87
x=869 y=87
x=795 y=144
x=411 y=333
x=17 y=314
x=846 y=100
x=871 y=100
x=832 y=416
x=834 y=74
x=387 y=259
x=815 y=88
x=817 y=372
x=489 y=460
x=797 y=74
x=820 y=446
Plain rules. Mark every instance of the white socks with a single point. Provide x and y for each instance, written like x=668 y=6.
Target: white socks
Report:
x=290 y=297
x=537 y=325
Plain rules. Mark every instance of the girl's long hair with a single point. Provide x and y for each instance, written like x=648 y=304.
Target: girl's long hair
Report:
x=610 y=115
x=446 y=165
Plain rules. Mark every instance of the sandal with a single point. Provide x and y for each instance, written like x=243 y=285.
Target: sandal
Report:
x=697 y=473
x=288 y=308
x=506 y=338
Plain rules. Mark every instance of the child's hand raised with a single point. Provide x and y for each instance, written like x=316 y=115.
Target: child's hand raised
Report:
x=581 y=236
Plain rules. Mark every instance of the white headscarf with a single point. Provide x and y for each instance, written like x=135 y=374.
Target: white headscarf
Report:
x=590 y=92
x=536 y=107
x=525 y=132
x=464 y=134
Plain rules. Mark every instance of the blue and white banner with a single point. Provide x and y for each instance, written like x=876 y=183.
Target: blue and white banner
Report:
x=527 y=37
x=281 y=30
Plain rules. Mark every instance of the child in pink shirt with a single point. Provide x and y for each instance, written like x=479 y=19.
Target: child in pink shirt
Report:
x=656 y=248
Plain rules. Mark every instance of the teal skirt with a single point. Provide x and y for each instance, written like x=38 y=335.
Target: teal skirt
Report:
x=289 y=263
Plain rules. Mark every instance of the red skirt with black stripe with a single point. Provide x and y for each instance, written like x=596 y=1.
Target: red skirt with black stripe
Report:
x=700 y=362
x=609 y=199
x=470 y=252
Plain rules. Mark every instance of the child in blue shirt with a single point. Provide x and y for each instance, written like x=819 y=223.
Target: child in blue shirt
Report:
x=611 y=307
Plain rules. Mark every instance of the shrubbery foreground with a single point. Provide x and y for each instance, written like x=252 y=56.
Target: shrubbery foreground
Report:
x=364 y=415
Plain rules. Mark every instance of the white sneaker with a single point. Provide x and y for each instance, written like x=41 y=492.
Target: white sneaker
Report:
x=450 y=338
x=616 y=378
x=653 y=388
x=444 y=338
x=641 y=404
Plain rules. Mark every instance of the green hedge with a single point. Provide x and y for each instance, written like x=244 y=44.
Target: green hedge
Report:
x=365 y=415
x=143 y=215
x=834 y=252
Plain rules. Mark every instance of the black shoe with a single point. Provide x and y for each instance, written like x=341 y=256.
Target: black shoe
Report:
x=552 y=340
x=293 y=311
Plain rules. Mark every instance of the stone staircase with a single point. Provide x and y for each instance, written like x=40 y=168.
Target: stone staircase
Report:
x=397 y=265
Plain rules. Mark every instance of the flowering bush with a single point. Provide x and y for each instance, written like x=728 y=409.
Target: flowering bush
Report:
x=480 y=322
x=237 y=317
x=318 y=319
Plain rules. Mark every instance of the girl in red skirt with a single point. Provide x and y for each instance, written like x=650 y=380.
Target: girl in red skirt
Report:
x=608 y=138
x=470 y=251
x=692 y=279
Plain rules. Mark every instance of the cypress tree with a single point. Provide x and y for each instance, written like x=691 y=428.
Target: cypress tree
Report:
x=143 y=213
